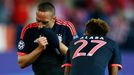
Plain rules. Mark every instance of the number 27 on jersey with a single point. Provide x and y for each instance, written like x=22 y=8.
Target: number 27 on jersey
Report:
x=77 y=53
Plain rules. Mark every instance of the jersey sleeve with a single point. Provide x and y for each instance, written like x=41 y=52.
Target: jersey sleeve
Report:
x=24 y=44
x=71 y=32
x=69 y=37
x=116 y=57
x=67 y=61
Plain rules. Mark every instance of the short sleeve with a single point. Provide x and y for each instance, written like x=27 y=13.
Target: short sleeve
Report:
x=69 y=37
x=116 y=57
x=24 y=44
x=71 y=33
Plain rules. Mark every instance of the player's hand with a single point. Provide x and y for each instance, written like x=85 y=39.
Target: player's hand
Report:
x=42 y=41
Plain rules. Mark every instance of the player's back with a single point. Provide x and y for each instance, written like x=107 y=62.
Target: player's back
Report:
x=90 y=55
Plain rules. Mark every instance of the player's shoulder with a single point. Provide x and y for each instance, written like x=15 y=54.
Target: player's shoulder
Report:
x=63 y=22
x=30 y=25
x=27 y=27
x=67 y=24
x=111 y=41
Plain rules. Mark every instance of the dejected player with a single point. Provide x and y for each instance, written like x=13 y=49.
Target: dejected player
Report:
x=39 y=46
x=92 y=53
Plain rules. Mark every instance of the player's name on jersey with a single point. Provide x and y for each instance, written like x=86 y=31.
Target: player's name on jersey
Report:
x=93 y=37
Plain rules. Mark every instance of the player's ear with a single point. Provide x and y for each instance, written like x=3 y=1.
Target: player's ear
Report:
x=54 y=17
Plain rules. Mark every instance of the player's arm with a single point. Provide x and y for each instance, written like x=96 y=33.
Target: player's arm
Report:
x=115 y=62
x=67 y=70
x=67 y=65
x=28 y=59
x=113 y=70
x=63 y=48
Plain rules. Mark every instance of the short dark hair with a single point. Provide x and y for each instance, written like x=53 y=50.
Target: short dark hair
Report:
x=46 y=6
x=97 y=27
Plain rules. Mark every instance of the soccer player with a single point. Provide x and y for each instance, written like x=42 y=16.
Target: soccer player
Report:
x=92 y=53
x=39 y=45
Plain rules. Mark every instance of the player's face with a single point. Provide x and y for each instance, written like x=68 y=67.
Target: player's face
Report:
x=45 y=19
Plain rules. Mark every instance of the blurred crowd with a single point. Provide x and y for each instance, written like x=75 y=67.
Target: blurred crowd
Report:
x=119 y=14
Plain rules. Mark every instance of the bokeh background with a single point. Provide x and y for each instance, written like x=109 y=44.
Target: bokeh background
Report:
x=15 y=14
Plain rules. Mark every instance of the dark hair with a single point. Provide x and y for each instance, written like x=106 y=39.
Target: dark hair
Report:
x=46 y=6
x=97 y=27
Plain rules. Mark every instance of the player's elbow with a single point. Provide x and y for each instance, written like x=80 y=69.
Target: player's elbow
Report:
x=22 y=62
x=21 y=65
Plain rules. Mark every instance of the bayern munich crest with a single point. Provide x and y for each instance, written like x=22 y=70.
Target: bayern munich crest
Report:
x=21 y=45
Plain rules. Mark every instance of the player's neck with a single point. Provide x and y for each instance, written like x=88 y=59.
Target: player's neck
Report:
x=52 y=24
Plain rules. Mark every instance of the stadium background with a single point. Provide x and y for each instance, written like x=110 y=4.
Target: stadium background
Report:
x=14 y=14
